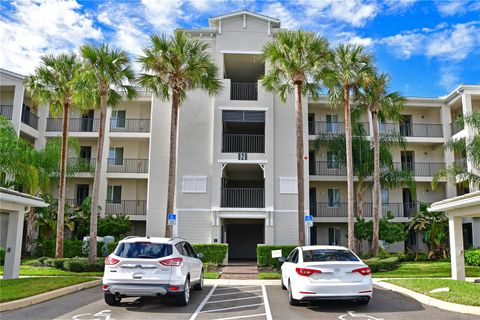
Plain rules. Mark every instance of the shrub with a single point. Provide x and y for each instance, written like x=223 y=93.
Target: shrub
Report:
x=114 y=225
x=82 y=265
x=379 y=265
x=111 y=247
x=472 y=257
x=2 y=256
x=74 y=266
x=71 y=248
x=264 y=255
x=34 y=262
x=213 y=253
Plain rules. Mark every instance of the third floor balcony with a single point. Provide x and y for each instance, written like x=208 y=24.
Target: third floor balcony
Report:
x=339 y=209
x=29 y=118
x=424 y=130
x=127 y=165
x=325 y=127
x=75 y=124
x=6 y=111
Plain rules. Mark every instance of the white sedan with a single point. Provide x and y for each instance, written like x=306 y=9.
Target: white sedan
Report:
x=325 y=273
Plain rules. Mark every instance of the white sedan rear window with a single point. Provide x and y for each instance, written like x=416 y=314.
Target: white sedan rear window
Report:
x=321 y=255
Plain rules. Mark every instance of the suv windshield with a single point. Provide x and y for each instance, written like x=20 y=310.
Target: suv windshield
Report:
x=144 y=250
x=328 y=255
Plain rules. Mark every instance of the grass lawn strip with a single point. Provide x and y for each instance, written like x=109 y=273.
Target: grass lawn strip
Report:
x=14 y=289
x=211 y=275
x=425 y=269
x=268 y=275
x=47 y=271
x=460 y=292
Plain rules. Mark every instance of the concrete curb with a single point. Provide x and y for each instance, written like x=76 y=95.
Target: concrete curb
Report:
x=429 y=301
x=25 y=302
x=235 y=282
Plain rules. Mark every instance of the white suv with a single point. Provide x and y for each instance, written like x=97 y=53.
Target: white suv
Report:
x=148 y=266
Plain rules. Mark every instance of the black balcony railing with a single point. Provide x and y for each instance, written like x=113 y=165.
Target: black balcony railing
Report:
x=129 y=125
x=126 y=207
x=239 y=142
x=432 y=130
x=243 y=198
x=75 y=124
x=81 y=164
x=243 y=91
x=456 y=127
x=127 y=165
x=328 y=168
x=462 y=163
x=30 y=119
x=326 y=209
x=70 y=205
x=6 y=111
x=324 y=128
x=420 y=169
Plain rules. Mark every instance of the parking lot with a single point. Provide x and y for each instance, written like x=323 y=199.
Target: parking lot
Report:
x=229 y=302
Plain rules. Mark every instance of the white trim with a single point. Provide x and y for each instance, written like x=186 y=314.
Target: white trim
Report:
x=242 y=215
x=267 y=305
x=240 y=52
x=200 y=307
x=243 y=108
x=193 y=209
x=242 y=161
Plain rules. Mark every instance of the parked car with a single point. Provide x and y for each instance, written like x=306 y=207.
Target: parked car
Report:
x=325 y=273
x=148 y=266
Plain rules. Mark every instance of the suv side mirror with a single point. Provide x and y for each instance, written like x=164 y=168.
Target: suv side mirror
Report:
x=281 y=259
x=200 y=255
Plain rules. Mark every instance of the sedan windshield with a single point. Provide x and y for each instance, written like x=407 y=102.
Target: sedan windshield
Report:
x=328 y=255
x=143 y=250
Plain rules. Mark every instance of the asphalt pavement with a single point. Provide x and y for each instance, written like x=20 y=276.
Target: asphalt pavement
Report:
x=255 y=302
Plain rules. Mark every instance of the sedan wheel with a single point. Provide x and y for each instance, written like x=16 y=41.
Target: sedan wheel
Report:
x=291 y=300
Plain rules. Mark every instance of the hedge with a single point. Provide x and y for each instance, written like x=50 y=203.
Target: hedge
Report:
x=378 y=265
x=472 y=257
x=71 y=248
x=264 y=255
x=69 y=264
x=212 y=253
x=2 y=256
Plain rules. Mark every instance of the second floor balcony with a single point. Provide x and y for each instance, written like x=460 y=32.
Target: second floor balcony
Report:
x=340 y=209
x=456 y=127
x=129 y=125
x=6 y=111
x=424 y=130
x=328 y=168
x=75 y=124
x=325 y=128
x=126 y=207
x=247 y=91
x=241 y=142
x=127 y=165
x=420 y=169
x=30 y=119
x=81 y=165
x=242 y=198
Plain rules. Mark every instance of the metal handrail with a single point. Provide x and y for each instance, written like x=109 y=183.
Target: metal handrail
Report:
x=242 y=198
x=244 y=91
x=129 y=125
x=126 y=207
x=6 y=111
x=75 y=124
x=127 y=165
x=241 y=142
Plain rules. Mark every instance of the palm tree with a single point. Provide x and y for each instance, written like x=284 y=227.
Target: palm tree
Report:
x=52 y=83
x=105 y=79
x=297 y=61
x=349 y=70
x=173 y=66
x=386 y=106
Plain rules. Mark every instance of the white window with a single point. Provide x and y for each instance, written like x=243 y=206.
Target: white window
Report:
x=194 y=184
x=288 y=185
x=118 y=118
x=115 y=156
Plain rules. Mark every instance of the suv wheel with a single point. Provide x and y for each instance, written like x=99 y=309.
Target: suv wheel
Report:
x=184 y=298
x=291 y=300
x=111 y=300
x=199 y=285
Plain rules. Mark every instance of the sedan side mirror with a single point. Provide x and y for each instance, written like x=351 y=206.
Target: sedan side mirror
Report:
x=281 y=259
x=200 y=255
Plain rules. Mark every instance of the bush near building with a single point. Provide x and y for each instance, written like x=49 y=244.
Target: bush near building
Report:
x=76 y=264
x=472 y=257
x=378 y=265
x=212 y=253
x=264 y=255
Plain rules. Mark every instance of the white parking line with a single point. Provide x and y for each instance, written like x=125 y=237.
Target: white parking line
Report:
x=230 y=308
x=197 y=311
x=241 y=287
x=267 y=305
x=242 y=317
x=218 y=301
x=224 y=294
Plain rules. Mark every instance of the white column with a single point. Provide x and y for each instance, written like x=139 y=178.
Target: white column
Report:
x=476 y=232
x=13 y=250
x=446 y=118
x=456 y=248
x=17 y=107
x=469 y=134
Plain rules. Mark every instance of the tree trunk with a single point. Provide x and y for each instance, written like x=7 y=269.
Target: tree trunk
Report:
x=172 y=163
x=376 y=186
x=61 y=184
x=92 y=244
x=350 y=196
x=300 y=170
x=29 y=243
x=360 y=198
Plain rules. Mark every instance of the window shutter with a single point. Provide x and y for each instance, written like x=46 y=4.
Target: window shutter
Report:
x=194 y=184
x=288 y=185
x=200 y=184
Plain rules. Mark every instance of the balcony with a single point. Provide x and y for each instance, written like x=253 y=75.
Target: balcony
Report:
x=70 y=205
x=75 y=124
x=456 y=127
x=462 y=163
x=238 y=142
x=326 y=128
x=81 y=165
x=30 y=119
x=6 y=111
x=420 y=169
x=243 y=198
x=339 y=210
x=244 y=91
x=127 y=165
x=129 y=125
x=126 y=207
x=328 y=168
x=424 y=130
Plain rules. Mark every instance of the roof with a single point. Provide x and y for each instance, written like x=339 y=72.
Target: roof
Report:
x=468 y=203
x=17 y=197
x=12 y=74
x=212 y=21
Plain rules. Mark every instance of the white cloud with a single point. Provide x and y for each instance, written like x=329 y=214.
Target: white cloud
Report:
x=449 y=78
x=452 y=8
x=355 y=12
x=404 y=45
x=163 y=15
x=277 y=10
x=37 y=27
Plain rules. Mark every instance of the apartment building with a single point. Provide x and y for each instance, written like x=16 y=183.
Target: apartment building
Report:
x=236 y=170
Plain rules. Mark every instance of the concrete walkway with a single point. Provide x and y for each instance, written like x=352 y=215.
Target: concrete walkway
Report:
x=240 y=270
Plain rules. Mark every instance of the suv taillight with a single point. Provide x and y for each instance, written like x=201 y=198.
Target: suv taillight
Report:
x=306 y=272
x=363 y=271
x=174 y=262
x=111 y=261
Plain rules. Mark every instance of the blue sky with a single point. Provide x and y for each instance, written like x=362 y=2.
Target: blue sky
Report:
x=427 y=47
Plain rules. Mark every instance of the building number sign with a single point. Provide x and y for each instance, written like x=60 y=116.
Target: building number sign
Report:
x=242 y=156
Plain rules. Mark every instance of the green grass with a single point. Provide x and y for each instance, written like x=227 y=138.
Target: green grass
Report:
x=47 y=271
x=461 y=292
x=268 y=275
x=425 y=269
x=211 y=275
x=13 y=289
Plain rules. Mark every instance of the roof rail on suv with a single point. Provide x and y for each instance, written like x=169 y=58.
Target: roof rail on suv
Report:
x=172 y=238
x=130 y=237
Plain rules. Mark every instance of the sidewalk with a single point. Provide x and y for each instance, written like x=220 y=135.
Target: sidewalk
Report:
x=240 y=270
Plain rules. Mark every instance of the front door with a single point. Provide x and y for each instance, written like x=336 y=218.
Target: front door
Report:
x=409 y=207
x=406 y=126
x=87 y=121
x=242 y=240
x=408 y=160
x=82 y=193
